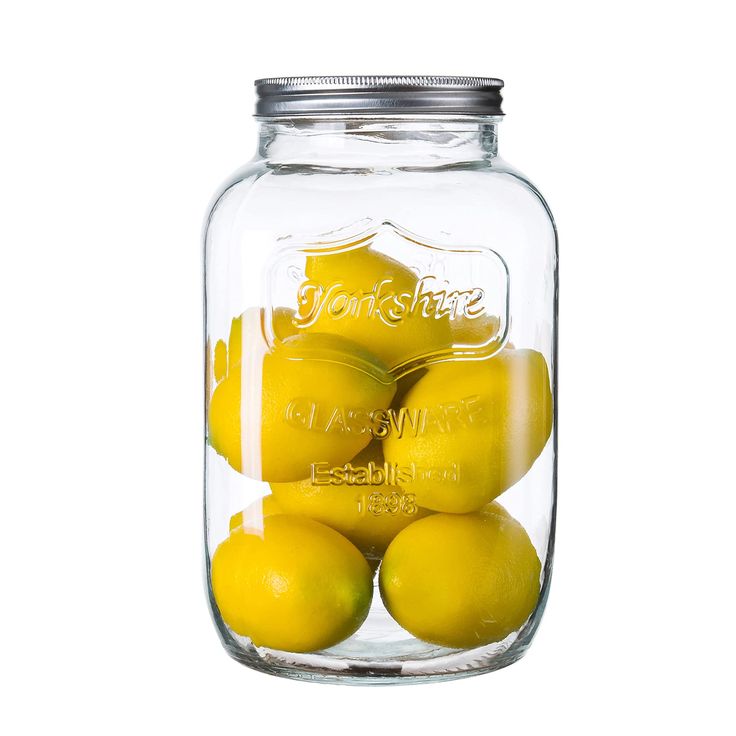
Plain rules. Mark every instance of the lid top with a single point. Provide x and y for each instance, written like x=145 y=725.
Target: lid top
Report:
x=378 y=95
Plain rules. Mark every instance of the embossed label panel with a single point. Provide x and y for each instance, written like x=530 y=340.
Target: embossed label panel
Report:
x=405 y=300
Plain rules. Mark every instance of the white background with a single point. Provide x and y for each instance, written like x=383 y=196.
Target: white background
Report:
x=119 y=120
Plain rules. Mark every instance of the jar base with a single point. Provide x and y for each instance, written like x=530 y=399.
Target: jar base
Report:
x=359 y=660
x=446 y=664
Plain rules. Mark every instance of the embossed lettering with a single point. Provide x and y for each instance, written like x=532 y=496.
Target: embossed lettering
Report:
x=428 y=300
x=448 y=417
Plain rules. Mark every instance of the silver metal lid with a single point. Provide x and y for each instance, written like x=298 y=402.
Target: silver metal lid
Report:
x=309 y=96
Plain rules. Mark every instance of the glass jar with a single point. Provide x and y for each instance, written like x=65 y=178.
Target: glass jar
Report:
x=381 y=299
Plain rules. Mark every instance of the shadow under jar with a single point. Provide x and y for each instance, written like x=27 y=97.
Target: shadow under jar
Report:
x=381 y=300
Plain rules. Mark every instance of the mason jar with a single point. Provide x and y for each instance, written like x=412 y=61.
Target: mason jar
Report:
x=381 y=300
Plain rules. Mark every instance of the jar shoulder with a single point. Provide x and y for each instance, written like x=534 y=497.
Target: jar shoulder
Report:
x=479 y=197
x=235 y=187
x=513 y=178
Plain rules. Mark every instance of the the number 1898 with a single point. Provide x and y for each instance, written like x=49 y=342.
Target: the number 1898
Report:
x=388 y=503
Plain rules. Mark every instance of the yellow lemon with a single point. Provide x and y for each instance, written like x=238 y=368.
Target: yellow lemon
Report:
x=258 y=510
x=220 y=361
x=308 y=401
x=475 y=429
x=294 y=584
x=404 y=384
x=361 y=500
x=479 y=335
x=224 y=419
x=365 y=296
x=235 y=343
x=476 y=331
x=283 y=327
x=461 y=581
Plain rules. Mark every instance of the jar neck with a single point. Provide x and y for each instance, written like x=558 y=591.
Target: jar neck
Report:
x=378 y=143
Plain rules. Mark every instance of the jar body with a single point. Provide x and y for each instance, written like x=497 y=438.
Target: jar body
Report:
x=380 y=456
